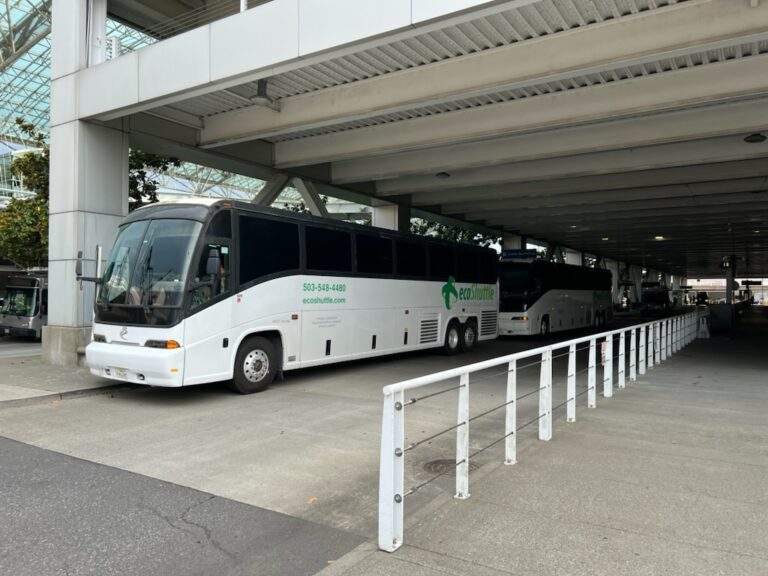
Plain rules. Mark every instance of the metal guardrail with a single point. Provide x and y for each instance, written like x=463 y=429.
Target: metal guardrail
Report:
x=650 y=343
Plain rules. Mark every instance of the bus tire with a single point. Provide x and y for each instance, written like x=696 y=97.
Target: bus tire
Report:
x=255 y=366
x=468 y=335
x=453 y=336
x=544 y=330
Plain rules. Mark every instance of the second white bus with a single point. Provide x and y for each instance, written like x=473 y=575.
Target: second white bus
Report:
x=539 y=297
x=205 y=291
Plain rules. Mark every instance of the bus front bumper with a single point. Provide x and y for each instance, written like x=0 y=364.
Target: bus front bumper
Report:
x=136 y=364
x=514 y=325
x=17 y=331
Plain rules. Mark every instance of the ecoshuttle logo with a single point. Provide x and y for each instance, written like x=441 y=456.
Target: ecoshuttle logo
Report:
x=469 y=293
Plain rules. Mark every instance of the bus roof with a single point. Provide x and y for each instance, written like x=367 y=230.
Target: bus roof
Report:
x=201 y=208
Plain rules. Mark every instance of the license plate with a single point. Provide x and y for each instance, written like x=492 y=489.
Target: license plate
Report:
x=121 y=372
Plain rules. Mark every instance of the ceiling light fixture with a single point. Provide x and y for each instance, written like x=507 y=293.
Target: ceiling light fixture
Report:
x=605 y=238
x=658 y=238
x=756 y=138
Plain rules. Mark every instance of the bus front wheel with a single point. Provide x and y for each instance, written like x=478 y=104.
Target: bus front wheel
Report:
x=255 y=366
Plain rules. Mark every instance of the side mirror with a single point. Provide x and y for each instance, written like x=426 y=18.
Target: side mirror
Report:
x=213 y=264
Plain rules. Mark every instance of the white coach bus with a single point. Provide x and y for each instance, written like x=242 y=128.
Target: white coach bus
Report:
x=204 y=291
x=540 y=297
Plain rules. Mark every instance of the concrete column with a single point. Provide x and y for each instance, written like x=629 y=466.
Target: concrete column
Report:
x=393 y=217
x=636 y=276
x=88 y=190
x=572 y=256
x=511 y=242
x=613 y=266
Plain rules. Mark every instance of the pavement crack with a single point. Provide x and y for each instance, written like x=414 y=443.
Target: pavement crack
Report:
x=190 y=527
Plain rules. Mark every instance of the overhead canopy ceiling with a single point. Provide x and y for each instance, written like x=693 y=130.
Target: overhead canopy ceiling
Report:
x=616 y=127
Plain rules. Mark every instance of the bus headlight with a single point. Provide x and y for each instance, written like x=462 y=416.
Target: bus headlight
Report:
x=166 y=344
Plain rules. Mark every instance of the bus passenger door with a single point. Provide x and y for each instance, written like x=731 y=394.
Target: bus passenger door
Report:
x=207 y=329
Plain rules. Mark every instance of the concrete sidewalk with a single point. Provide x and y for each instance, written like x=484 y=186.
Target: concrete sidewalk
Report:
x=27 y=379
x=668 y=477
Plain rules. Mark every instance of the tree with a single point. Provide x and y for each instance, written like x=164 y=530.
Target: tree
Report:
x=24 y=223
x=452 y=233
x=142 y=171
x=24 y=232
x=31 y=168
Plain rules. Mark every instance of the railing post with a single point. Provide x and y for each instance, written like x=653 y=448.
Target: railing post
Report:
x=608 y=367
x=462 y=439
x=643 y=332
x=391 y=473
x=657 y=343
x=545 y=396
x=591 y=376
x=633 y=355
x=622 y=360
x=669 y=337
x=570 y=388
x=674 y=335
x=510 y=440
x=651 y=344
x=664 y=325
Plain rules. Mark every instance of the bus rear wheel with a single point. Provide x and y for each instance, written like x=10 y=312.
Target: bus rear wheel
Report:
x=468 y=336
x=255 y=366
x=453 y=336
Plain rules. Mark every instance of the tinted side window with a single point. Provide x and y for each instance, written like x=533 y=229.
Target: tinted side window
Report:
x=466 y=265
x=411 y=259
x=328 y=250
x=441 y=264
x=487 y=267
x=374 y=254
x=221 y=225
x=267 y=247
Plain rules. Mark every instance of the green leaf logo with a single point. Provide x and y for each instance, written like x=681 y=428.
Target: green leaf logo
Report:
x=449 y=290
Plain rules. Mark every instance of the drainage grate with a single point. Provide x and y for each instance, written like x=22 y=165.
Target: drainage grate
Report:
x=446 y=466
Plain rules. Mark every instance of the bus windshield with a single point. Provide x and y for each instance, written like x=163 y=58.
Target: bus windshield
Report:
x=148 y=266
x=20 y=302
x=515 y=285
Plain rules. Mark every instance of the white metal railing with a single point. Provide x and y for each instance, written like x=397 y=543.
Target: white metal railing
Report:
x=650 y=343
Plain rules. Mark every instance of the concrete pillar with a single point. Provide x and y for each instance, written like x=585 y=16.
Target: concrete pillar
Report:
x=88 y=190
x=613 y=266
x=393 y=217
x=636 y=276
x=511 y=242
x=572 y=256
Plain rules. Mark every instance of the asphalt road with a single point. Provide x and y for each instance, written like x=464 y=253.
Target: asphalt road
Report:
x=61 y=515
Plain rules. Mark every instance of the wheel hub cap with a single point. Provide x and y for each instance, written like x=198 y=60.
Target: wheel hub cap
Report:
x=256 y=365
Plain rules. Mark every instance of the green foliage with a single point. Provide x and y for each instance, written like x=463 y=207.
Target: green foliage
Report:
x=24 y=232
x=24 y=223
x=32 y=167
x=452 y=233
x=301 y=208
x=142 y=184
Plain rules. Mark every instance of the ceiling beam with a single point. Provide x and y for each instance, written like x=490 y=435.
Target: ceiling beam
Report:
x=696 y=152
x=697 y=192
x=665 y=32
x=696 y=123
x=660 y=207
x=618 y=183
x=664 y=91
